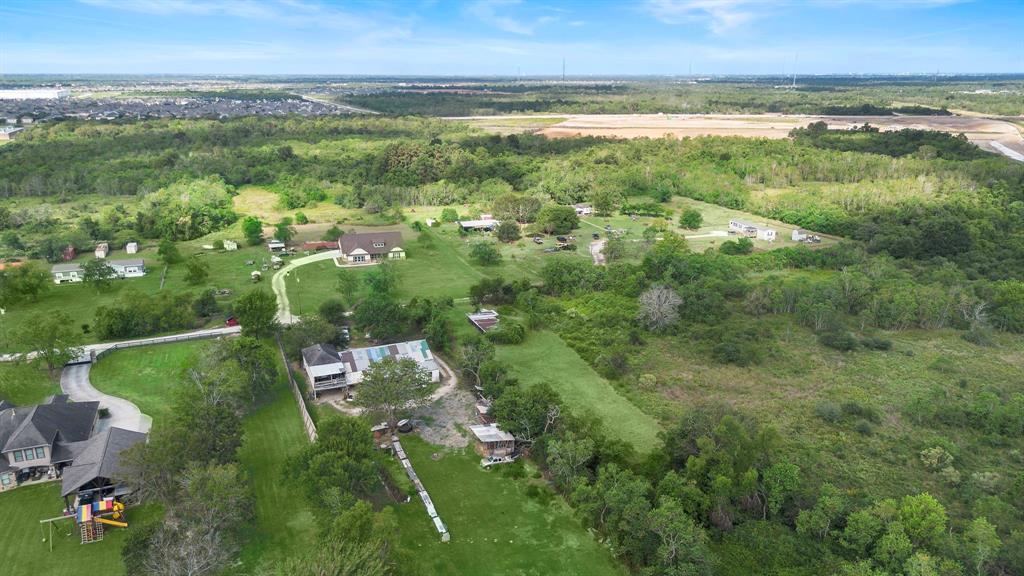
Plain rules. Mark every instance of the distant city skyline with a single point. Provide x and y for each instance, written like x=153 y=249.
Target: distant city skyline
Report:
x=510 y=37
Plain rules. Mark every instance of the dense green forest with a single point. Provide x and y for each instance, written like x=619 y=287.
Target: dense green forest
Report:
x=810 y=95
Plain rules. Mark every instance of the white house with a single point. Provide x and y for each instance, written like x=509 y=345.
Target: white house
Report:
x=583 y=209
x=371 y=247
x=486 y=223
x=752 y=230
x=324 y=368
x=230 y=245
x=799 y=235
x=131 y=247
x=131 y=268
x=66 y=273
x=102 y=249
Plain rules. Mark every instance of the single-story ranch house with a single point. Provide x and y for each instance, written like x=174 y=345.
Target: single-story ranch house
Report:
x=329 y=369
x=371 y=247
x=130 y=268
x=752 y=230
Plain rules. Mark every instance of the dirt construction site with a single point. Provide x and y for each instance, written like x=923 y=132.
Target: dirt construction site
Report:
x=994 y=135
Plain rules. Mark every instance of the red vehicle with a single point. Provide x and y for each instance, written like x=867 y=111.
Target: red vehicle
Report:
x=231 y=321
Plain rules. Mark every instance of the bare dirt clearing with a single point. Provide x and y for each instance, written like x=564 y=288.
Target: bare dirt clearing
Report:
x=981 y=131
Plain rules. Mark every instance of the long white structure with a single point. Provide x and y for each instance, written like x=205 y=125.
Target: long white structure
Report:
x=34 y=93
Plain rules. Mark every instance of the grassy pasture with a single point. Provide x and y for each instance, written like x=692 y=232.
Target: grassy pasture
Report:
x=499 y=525
x=544 y=357
x=798 y=374
x=22 y=384
x=147 y=376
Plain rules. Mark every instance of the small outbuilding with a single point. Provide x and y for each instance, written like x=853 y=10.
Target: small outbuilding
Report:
x=275 y=246
x=131 y=247
x=483 y=320
x=102 y=249
x=493 y=442
x=230 y=245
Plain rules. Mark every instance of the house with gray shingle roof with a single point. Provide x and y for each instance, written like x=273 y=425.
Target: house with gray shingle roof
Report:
x=43 y=439
x=371 y=247
x=98 y=463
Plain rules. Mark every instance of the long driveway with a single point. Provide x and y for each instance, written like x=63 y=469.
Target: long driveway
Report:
x=284 y=310
x=74 y=381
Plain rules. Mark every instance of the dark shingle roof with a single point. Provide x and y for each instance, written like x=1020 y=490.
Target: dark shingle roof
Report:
x=39 y=425
x=99 y=458
x=366 y=241
x=320 y=354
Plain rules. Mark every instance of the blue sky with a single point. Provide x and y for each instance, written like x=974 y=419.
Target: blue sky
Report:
x=501 y=37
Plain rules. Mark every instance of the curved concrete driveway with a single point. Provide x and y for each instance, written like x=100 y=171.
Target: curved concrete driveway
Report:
x=284 y=311
x=74 y=381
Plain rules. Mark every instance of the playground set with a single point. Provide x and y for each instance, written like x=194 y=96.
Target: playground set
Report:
x=91 y=518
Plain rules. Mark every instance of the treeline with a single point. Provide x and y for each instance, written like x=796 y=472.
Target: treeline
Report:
x=924 y=143
x=190 y=465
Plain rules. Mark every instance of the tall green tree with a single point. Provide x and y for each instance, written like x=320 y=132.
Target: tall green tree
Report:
x=168 y=252
x=98 y=273
x=51 y=338
x=252 y=229
x=257 y=312
x=197 y=270
x=391 y=387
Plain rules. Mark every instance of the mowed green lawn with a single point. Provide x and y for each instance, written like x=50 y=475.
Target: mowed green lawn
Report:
x=284 y=525
x=497 y=527
x=23 y=384
x=544 y=357
x=149 y=376
x=24 y=548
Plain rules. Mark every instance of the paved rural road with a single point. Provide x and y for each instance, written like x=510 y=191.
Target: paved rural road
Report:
x=88 y=349
x=74 y=381
x=284 y=312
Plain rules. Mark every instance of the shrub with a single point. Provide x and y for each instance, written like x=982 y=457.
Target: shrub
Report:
x=737 y=247
x=838 y=340
x=449 y=215
x=876 y=343
x=828 y=411
x=332 y=234
x=691 y=219
x=864 y=427
x=485 y=253
x=300 y=218
x=859 y=410
x=508 y=333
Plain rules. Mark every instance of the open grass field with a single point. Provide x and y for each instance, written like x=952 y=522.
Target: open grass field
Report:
x=148 y=376
x=799 y=375
x=544 y=357
x=716 y=221
x=439 y=265
x=23 y=549
x=499 y=525
x=22 y=384
x=981 y=131
x=284 y=525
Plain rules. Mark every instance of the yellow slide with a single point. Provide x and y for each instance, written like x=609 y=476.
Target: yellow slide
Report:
x=112 y=522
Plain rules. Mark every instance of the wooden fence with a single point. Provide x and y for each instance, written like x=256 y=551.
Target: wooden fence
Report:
x=307 y=421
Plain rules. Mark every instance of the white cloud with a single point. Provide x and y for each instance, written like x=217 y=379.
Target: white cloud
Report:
x=496 y=13
x=720 y=16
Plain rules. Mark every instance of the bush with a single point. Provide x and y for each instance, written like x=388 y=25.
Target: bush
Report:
x=859 y=410
x=449 y=215
x=332 y=234
x=876 y=343
x=508 y=333
x=300 y=218
x=333 y=311
x=737 y=247
x=838 y=340
x=691 y=219
x=864 y=427
x=828 y=411
x=485 y=253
